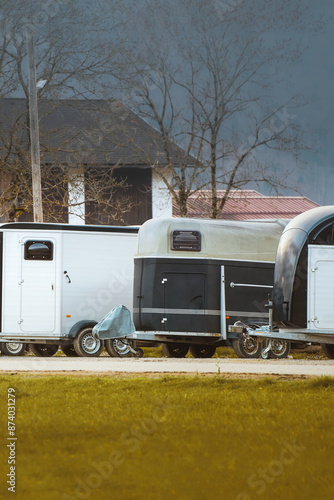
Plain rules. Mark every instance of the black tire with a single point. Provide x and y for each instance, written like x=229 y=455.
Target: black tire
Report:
x=117 y=348
x=86 y=344
x=139 y=353
x=44 y=350
x=202 y=351
x=299 y=346
x=69 y=351
x=12 y=348
x=328 y=350
x=279 y=349
x=247 y=347
x=172 y=350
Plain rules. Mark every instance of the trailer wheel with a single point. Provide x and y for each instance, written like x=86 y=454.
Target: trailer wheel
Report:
x=139 y=352
x=86 y=344
x=117 y=348
x=202 y=351
x=247 y=347
x=279 y=349
x=12 y=348
x=328 y=349
x=172 y=350
x=44 y=350
x=69 y=351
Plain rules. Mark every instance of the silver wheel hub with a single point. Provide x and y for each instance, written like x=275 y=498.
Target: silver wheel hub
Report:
x=120 y=347
x=14 y=347
x=250 y=345
x=90 y=344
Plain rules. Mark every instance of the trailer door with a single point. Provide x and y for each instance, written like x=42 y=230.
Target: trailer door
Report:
x=184 y=299
x=38 y=278
x=321 y=287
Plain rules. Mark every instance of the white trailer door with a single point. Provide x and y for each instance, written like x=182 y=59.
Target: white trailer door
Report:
x=38 y=283
x=321 y=287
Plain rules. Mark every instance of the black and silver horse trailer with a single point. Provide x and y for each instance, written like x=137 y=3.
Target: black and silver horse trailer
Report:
x=193 y=278
x=303 y=293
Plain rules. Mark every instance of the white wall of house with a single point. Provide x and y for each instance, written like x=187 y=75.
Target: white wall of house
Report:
x=161 y=197
x=76 y=198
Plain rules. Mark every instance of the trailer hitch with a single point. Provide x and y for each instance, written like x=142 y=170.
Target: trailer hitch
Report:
x=266 y=350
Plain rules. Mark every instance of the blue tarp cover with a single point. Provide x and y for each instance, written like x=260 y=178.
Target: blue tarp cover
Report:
x=117 y=323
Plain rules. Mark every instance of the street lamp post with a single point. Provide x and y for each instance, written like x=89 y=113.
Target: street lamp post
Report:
x=34 y=131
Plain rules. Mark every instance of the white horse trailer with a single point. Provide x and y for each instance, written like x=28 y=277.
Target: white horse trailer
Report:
x=58 y=281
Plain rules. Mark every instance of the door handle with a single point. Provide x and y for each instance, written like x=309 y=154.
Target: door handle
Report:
x=67 y=276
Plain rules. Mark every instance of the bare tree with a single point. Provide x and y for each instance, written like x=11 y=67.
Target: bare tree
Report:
x=80 y=154
x=77 y=46
x=206 y=74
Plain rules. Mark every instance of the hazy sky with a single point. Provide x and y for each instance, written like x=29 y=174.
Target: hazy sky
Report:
x=313 y=76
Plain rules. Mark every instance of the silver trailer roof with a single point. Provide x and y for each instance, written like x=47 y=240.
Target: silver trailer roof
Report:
x=254 y=240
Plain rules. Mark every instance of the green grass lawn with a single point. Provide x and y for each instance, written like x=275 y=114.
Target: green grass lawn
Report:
x=166 y=437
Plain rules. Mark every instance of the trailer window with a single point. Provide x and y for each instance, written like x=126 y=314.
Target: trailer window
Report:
x=185 y=240
x=325 y=236
x=38 y=250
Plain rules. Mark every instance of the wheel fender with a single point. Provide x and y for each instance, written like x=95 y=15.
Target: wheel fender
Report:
x=79 y=326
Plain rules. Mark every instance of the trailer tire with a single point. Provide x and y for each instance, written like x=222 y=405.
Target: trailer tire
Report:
x=279 y=349
x=86 y=344
x=44 y=350
x=12 y=348
x=69 y=351
x=139 y=353
x=116 y=348
x=328 y=350
x=175 y=350
x=202 y=351
x=247 y=347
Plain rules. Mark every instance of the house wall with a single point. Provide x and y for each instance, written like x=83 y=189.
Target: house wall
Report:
x=132 y=204
x=76 y=198
x=143 y=197
x=162 y=206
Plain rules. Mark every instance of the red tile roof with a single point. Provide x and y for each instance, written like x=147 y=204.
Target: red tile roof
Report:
x=248 y=204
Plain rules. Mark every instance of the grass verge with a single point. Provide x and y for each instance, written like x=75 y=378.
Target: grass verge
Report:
x=169 y=437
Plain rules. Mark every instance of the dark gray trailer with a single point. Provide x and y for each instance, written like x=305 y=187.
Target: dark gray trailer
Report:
x=193 y=278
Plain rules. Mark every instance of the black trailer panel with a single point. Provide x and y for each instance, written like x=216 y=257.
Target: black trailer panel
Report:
x=199 y=295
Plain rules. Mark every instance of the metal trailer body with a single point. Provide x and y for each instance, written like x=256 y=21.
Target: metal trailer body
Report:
x=194 y=277
x=303 y=293
x=57 y=278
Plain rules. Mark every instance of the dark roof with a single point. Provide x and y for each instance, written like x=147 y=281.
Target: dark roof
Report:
x=247 y=204
x=48 y=226
x=77 y=130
